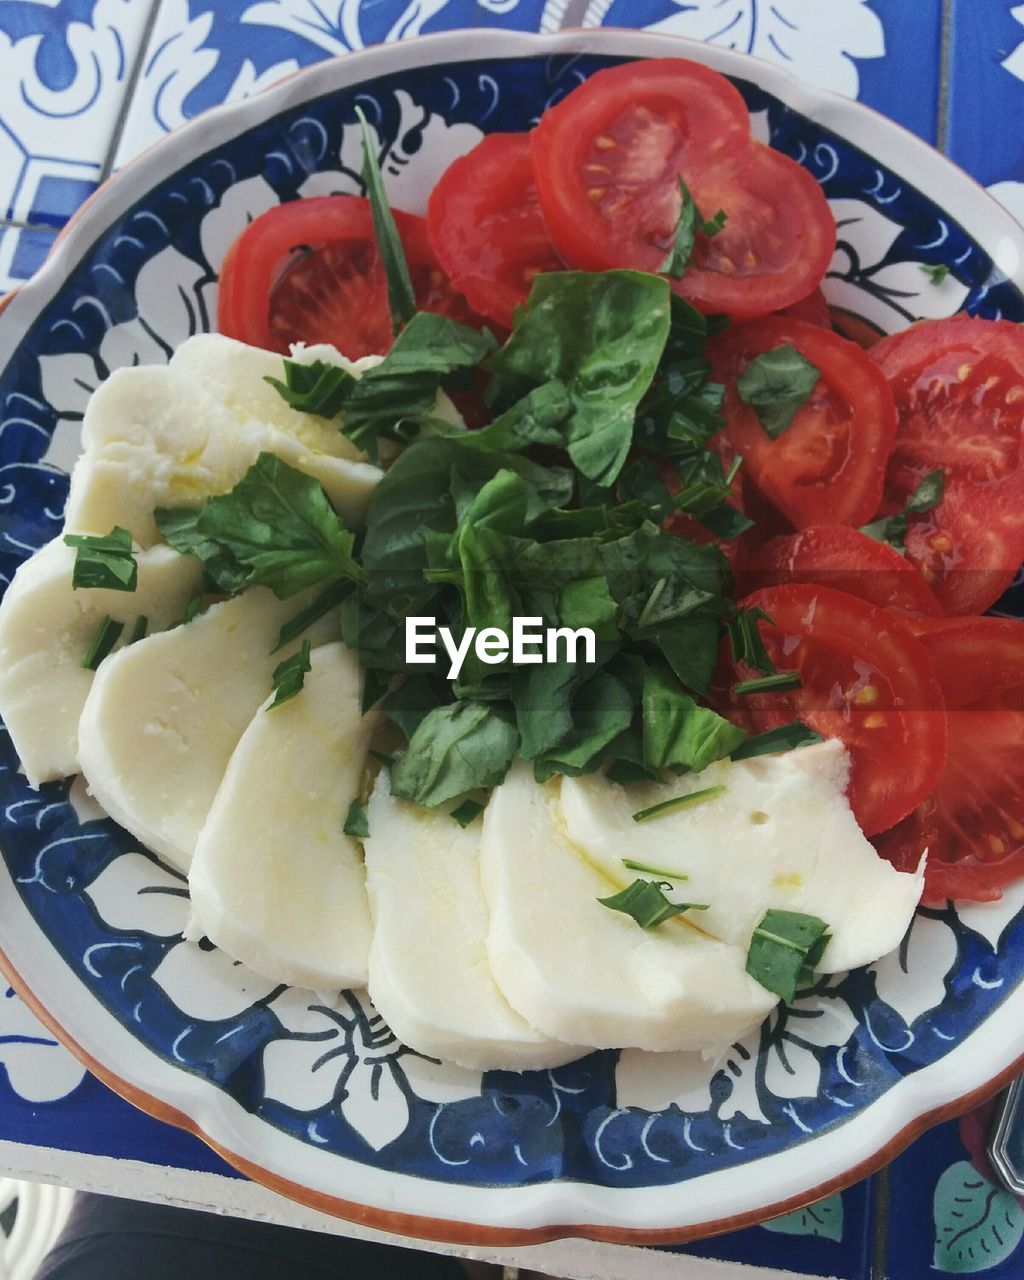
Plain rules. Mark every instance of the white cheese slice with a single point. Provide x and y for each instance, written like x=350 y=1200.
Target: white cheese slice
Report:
x=153 y=437
x=781 y=835
x=275 y=882
x=164 y=715
x=583 y=973
x=429 y=974
x=45 y=631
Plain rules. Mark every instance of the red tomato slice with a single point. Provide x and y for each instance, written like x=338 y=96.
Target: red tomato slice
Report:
x=865 y=680
x=973 y=822
x=813 y=309
x=959 y=390
x=485 y=226
x=828 y=466
x=309 y=271
x=847 y=560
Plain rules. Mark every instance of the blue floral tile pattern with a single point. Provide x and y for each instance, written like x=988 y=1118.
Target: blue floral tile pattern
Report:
x=64 y=65
x=22 y=252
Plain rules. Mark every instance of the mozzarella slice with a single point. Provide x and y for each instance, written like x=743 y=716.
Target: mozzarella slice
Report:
x=781 y=835
x=45 y=632
x=429 y=975
x=586 y=974
x=275 y=882
x=164 y=715
x=153 y=437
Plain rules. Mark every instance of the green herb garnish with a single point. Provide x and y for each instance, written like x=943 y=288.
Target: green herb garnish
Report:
x=356 y=824
x=677 y=802
x=786 y=737
x=893 y=529
x=467 y=812
x=313 y=612
x=401 y=295
x=776 y=683
x=290 y=676
x=936 y=273
x=106 y=562
x=687 y=227
x=782 y=947
x=317 y=387
x=632 y=865
x=645 y=903
x=106 y=635
x=745 y=640
x=777 y=385
x=140 y=629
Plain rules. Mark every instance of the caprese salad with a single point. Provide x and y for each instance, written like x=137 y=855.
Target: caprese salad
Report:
x=597 y=387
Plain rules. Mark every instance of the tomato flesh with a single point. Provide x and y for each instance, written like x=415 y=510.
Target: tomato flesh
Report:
x=309 y=271
x=847 y=560
x=972 y=825
x=865 y=679
x=813 y=309
x=959 y=390
x=485 y=226
x=828 y=466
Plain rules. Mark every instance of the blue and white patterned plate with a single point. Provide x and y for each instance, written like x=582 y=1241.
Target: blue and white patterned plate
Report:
x=311 y=1093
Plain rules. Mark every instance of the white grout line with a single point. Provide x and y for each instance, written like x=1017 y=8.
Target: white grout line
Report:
x=131 y=84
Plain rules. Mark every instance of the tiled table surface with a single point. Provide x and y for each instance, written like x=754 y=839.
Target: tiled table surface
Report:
x=86 y=84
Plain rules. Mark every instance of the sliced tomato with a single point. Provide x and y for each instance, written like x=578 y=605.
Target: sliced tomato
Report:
x=485 y=226
x=848 y=560
x=972 y=825
x=813 y=309
x=864 y=679
x=828 y=466
x=959 y=391
x=608 y=159
x=309 y=271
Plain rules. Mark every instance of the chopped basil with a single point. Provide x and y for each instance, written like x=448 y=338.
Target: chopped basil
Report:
x=290 y=676
x=893 y=529
x=689 y=224
x=140 y=629
x=645 y=902
x=777 y=384
x=313 y=612
x=401 y=295
x=677 y=802
x=104 y=638
x=106 y=562
x=787 y=737
x=467 y=812
x=936 y=273
x=679 y=733
x=783 y=946
x=455 y=749
x=631 y=865
x=317 y=387
x=776 y=683
x=192 y=610
x=356 y=823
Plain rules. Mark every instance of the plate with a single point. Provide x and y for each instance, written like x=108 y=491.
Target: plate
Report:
x=310 y=1093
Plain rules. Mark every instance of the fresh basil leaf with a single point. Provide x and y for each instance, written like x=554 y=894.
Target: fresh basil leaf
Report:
x=687 y=227
x=290 y=676
x=139 y=630
x=401 y=295
x=640 y=480
x=375 y=686
x=779 y=949
x=626 y=754
x=106 y=635
x=539 y=417
x=601 y=710
x=313 y=612
x=936 y=273
x=678 y=732
x=645 y=903
x=705 y=484
x=893 y=529
x=777 y=384
x=657 y=578
x=467 y=812
x=632 y=865
x=356 y=823
x=275 y=529
x=455 y=749
x=726 y=522
x=106 y=562
x=690 y=646
x=601 y=336
x=542 y=697
x=565 y=584
x=410 y=704
x=745 y=640
x=316 y=387
x=786 y=737
x=676 y=803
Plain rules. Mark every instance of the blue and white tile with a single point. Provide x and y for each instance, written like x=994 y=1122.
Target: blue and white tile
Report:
x=64 y=67
x=986 y=96
x=22 y=252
